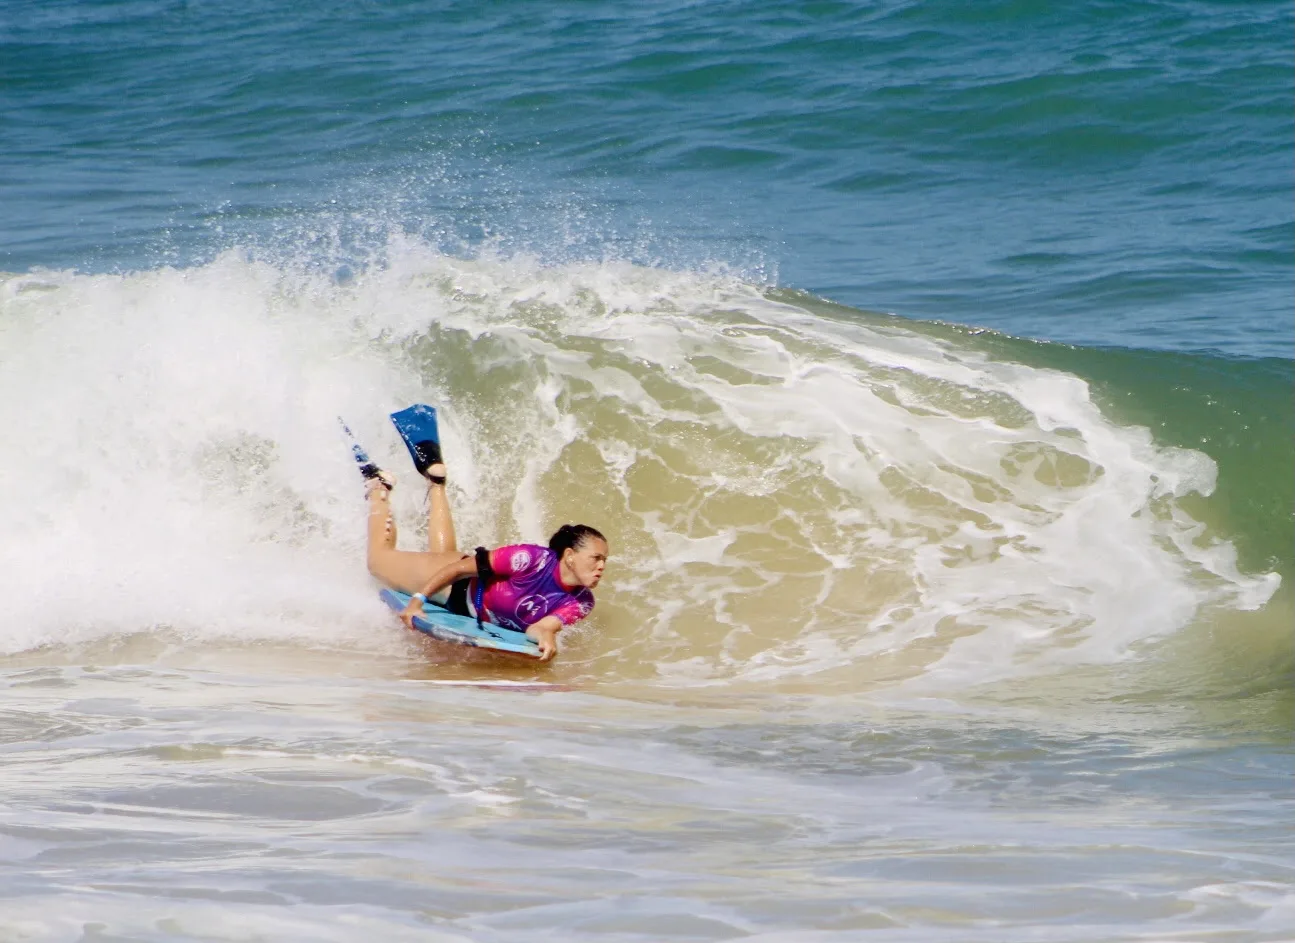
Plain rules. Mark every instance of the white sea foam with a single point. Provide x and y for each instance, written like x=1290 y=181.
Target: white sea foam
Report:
x=786 y=492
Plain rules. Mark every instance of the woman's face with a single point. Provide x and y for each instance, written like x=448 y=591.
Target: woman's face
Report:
x=587 y=561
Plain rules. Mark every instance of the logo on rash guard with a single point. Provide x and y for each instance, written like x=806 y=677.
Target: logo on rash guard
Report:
x=532 y=608
x=520 y=560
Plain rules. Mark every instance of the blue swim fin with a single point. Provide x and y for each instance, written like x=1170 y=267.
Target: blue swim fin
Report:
x=368 y=468
x=417 y=426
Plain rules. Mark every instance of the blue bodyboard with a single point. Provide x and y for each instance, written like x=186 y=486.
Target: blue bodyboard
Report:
x=417 y=426
x=461 y=630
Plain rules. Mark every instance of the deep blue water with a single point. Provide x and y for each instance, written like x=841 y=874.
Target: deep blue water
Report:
x=1112 y=174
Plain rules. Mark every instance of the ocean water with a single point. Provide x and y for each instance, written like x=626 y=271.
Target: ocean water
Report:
x=928 y=366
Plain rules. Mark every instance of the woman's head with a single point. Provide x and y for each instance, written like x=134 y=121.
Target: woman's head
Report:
x=582 y=552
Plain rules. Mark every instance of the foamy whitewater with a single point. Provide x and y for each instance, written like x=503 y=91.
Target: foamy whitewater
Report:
x=789 y=494
x=874 y=592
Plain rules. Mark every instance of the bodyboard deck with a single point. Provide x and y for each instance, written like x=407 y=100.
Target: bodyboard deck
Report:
x=461 y=630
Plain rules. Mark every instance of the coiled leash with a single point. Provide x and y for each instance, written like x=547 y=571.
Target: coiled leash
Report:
x=485 y=576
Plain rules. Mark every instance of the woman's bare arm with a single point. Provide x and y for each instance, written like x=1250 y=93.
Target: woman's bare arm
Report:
x=545 y=633
x=439 y=580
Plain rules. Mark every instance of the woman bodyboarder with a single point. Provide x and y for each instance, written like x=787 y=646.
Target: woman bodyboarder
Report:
x=529 y=588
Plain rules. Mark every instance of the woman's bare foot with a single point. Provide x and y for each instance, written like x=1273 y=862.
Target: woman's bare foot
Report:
x=381 y=478
x=436 y=473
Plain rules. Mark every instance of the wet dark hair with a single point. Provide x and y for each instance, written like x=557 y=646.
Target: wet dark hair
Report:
x=572 y=536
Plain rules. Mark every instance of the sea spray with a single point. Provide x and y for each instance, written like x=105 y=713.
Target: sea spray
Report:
x=788 y=495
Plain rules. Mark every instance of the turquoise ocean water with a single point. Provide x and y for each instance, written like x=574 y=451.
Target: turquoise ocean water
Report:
x=929 y=365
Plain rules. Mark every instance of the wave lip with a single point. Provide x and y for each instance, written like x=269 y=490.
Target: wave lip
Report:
x=791 y=493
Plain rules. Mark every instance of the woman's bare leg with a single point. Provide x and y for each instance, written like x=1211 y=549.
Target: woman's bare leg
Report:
x=405 y=570
x=440 y=523
x=382 y=526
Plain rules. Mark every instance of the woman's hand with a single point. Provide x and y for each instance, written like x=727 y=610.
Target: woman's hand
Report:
x=545 y=633
x=415 y=608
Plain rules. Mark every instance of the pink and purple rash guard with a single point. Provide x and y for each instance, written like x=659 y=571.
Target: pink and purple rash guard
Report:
x=527 y=589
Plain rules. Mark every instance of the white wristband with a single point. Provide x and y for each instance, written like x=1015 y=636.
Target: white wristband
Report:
x=419 y=596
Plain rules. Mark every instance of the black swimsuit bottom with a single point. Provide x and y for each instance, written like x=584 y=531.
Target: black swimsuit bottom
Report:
x=458 y=601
